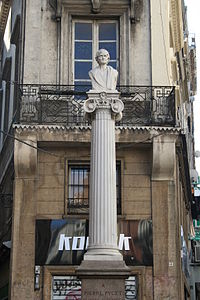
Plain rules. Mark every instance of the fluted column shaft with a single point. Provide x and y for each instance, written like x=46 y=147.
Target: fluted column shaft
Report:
x=103 y=204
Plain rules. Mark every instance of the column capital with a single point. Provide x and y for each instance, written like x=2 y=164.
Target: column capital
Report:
x=164 y=157
x=26 y=156
x=104 y=100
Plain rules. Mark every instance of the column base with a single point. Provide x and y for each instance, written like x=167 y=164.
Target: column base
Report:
x=103 y=255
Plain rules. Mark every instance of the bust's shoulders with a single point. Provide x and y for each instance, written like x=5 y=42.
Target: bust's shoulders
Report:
x=112 y=69
x=94 y=70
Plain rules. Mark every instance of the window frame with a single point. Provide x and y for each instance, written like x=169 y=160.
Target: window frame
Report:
x=95 y=41
x=84 y=208
x=121 y=13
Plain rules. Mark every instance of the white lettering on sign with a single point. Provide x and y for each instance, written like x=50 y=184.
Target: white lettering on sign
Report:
x=78 y=242
x=64 y=242
x=124 y=240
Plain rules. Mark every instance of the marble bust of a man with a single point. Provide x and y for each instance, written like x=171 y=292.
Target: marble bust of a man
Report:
x=103 y=77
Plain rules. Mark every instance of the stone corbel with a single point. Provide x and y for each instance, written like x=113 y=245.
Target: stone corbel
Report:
x=96 y=6
x=25 y=156
x=133 y=18
x=164 y=157
x=59 y=5
x=56 y=5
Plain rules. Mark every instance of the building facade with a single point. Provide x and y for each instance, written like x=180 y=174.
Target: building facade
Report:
x=47 y=49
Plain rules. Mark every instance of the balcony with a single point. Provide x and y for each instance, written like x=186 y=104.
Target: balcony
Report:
x=63 y=104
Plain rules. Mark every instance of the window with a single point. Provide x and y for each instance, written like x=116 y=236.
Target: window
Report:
x=78 y=188
x=90 y=36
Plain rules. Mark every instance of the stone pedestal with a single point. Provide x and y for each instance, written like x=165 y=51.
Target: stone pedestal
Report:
x=103 y=270
x=103 y=280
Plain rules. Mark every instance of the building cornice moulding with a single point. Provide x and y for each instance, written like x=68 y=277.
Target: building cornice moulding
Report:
x=4 y=11
x=96 y=5
x=177 y=24
x=61 y=128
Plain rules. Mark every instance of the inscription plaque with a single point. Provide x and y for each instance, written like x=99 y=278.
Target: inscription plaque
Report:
x=103 y=289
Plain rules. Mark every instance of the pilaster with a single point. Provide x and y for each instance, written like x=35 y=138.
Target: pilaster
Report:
x=164 y=216
x=23 y=226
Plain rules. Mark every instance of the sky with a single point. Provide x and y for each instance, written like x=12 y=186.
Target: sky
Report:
x=193 y=10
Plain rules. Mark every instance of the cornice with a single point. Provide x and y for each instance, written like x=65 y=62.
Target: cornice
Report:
x=61 y=128
x=49 y=127
x=4 y=11
x=177 y=24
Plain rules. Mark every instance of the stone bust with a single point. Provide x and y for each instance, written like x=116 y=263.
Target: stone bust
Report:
x=103 y=77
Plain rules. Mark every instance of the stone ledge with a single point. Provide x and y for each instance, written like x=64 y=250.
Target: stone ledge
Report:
x=29 y=127
x=103 y=269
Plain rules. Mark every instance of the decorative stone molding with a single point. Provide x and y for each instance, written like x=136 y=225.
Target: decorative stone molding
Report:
x=104 y=100
x=60 y=128
x=177 y=24
x=96 y=5
x=133 y=17
x=4 y=11
x=164 y=157
x=26 y=157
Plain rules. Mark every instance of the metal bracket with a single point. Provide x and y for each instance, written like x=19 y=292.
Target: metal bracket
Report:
x=37 y=278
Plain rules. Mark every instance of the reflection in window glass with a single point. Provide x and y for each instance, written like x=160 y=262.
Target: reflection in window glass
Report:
x=107 y=31
x=83 y=31
x=78 y=188
x=82 y=69
x=83 y=50
x=66 y=287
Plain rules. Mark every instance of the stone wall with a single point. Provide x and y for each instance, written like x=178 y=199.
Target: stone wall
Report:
x=135 y=181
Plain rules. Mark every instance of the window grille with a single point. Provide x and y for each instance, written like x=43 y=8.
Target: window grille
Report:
x=78 y=188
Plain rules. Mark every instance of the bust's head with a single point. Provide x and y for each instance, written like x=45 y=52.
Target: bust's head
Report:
x=102 y=57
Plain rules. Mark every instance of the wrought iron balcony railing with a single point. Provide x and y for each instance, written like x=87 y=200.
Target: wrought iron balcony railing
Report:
x=63 y=104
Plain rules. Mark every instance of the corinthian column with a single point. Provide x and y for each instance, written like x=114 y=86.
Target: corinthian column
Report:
x=104 y=108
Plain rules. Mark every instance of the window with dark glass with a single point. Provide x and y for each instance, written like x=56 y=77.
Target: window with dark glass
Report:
x=90 y=36
x=78 y=188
